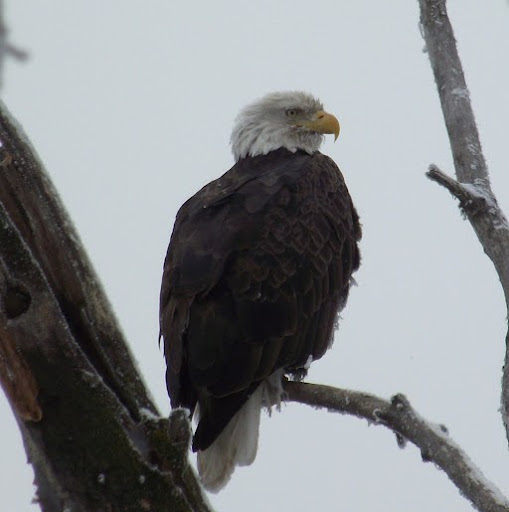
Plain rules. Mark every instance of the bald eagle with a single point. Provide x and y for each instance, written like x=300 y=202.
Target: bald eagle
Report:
x=258 y=268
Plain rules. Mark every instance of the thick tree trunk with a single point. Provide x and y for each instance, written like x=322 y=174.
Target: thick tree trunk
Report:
x=90 y=430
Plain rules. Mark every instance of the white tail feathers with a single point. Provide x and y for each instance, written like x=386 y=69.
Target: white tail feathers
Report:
x=238 y=442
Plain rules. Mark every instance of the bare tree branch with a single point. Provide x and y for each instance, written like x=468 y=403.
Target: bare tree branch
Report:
x=488 y=221
x=454 y=95
x=473 y=199
x=399 y=416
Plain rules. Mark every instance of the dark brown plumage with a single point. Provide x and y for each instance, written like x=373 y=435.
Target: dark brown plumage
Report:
x=258 y=267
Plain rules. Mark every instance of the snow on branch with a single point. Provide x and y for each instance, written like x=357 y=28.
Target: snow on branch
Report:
x=398 y=415
x=454 y=95
x=473 y=197
x=472 y=187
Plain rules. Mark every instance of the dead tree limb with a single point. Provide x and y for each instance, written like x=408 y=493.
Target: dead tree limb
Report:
x=399 y=416
x=90 y=430
x=472 y=186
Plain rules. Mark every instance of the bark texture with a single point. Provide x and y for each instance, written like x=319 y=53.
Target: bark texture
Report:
x=90 y=430
x=472 y=186
x=399 y=416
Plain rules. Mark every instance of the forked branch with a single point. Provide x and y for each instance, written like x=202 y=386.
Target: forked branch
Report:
x=472 y=186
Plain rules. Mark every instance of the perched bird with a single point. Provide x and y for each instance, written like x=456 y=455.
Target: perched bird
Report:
x=258 y=268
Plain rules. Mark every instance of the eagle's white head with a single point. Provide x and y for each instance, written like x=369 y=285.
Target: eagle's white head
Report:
x=293 y=120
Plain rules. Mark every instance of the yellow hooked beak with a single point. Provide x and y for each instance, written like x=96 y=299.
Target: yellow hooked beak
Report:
x=323 y=122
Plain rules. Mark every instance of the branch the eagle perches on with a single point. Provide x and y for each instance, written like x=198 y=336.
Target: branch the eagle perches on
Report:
x=65 y=367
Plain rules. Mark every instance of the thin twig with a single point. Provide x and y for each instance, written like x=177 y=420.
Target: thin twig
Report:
x=16 y=52
x=7 y=49
x=398 y=415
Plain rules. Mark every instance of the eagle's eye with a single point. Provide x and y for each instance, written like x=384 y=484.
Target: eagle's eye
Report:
x=291 y=112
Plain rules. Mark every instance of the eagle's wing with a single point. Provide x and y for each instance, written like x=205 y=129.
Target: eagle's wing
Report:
x=258 y=266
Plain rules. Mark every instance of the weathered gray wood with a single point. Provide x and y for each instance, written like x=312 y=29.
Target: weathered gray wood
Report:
x=473 y=186
x=398 y=415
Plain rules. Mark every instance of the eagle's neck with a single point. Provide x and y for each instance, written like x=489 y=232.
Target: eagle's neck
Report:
x=250 y=137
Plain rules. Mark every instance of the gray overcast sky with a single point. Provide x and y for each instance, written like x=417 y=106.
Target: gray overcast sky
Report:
x=130 y=106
